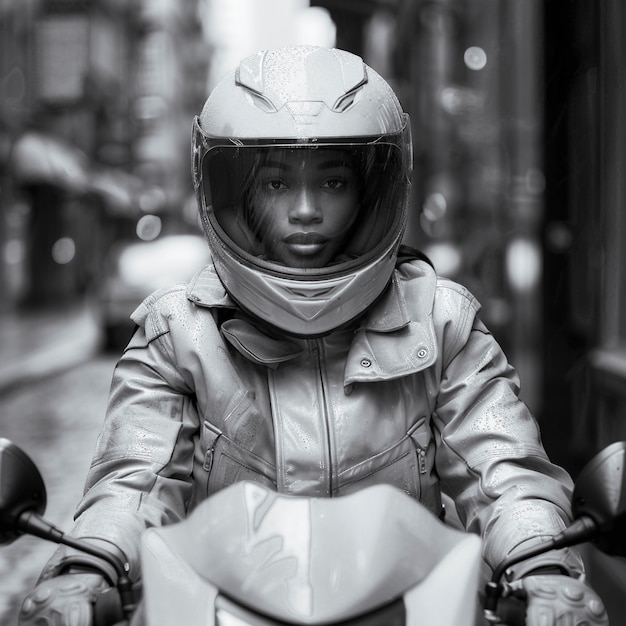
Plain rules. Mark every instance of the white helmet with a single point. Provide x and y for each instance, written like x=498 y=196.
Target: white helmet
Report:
x=318 y=128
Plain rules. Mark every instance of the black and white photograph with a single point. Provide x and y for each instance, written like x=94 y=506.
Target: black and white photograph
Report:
x=313 y=312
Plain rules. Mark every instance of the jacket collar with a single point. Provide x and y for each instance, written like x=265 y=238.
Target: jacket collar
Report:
x=394 y=339
x=397 y=337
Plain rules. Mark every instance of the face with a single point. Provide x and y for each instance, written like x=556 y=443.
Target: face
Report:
x=302 y=205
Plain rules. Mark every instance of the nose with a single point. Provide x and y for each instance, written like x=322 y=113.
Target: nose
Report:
x=305 y=208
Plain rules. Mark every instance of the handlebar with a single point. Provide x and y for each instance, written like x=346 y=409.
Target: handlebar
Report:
x=32 y=523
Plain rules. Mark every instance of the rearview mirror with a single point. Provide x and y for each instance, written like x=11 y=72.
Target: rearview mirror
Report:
x=599 y=508
x=21 y=489
x=599 y=494
x=22 y=505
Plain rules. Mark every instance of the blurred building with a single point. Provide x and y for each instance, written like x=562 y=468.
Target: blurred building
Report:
x=62 y=65
x=585 y=229
x=167 y=88
x=94 y=116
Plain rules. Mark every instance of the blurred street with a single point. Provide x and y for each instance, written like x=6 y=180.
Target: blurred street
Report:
x=37 y=342
x=52 y=409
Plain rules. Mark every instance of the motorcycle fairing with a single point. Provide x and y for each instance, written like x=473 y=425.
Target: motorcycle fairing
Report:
x=305 y=560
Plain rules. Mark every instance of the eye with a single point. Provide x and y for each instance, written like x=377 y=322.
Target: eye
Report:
x=275 y=184
x=334 y=184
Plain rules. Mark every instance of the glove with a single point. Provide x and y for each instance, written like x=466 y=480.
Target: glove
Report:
x=558 y=600
x=65 y=600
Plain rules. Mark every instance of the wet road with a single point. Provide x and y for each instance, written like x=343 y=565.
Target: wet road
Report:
x=56 y=421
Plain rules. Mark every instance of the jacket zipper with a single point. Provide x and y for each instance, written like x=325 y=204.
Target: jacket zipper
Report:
x=208 y=458
x=213 y=434
x=316 y=348
x=421 y=451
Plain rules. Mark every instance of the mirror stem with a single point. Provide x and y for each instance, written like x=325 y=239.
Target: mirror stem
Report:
x=32 y=523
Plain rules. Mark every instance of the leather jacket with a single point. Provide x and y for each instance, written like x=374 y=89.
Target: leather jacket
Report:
x=417 y=394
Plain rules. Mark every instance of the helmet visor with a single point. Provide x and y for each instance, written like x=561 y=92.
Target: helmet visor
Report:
x=305 y=208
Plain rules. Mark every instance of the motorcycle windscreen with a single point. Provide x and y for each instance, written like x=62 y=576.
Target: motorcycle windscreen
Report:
x=306 y=560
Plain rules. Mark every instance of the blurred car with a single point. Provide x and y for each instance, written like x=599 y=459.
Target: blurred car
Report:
x=137 y=268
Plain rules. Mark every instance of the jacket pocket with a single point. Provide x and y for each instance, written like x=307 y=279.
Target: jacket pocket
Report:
x=394 y=466
x=397 y=465
x=227 y=463
x=408 y=464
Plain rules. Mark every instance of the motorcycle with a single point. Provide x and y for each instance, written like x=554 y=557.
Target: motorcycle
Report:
x=373 y=557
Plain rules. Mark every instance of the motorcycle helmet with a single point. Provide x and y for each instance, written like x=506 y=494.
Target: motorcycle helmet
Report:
x=301 y=164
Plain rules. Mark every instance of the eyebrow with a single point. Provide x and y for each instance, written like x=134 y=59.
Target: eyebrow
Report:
x=324 y=165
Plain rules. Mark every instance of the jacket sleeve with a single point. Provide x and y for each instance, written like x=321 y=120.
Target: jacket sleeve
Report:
x=141 y=471
x=490 y=457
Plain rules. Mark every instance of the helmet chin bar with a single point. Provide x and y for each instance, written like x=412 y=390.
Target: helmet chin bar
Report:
x=305 y=308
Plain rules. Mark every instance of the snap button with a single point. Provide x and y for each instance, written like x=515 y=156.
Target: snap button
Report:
x=365 y=362
x=422 y=353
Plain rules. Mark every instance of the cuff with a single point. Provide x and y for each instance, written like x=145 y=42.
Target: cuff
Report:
x=568 y=561
x=66 y=559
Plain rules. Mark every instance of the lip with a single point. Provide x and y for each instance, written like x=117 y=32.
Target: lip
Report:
x=305 y=244
x=305 y=239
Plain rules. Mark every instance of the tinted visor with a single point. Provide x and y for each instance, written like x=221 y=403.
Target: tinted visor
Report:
x=305 y=206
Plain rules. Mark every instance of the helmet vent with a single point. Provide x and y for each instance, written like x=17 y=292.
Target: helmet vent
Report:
x=305 y=112
x=309 y=292
x=260 y=102
x=346 y=101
